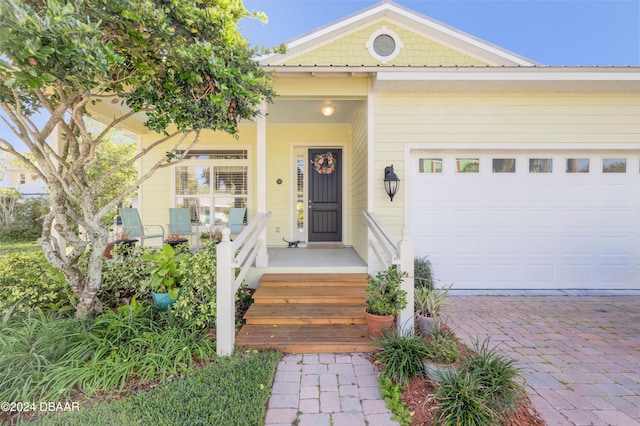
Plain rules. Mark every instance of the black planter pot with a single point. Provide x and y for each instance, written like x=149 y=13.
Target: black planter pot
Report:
x=128 y=243
x=174 y=243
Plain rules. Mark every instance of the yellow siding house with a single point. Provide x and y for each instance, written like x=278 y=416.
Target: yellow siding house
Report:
x=513 y=175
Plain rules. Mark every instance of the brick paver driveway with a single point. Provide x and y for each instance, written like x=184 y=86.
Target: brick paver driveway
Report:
x=580 y=355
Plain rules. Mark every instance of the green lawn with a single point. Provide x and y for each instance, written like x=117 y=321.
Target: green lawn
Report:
x=230 y=391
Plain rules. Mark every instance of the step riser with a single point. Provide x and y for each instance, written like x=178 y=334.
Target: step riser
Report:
x=308 y=300
x=281 y=320
x=313 y=284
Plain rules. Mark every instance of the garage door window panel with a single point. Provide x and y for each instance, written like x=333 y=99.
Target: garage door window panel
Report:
x=467 y=165
x=614 y=165
x=504 y=165
x=430 y=165
x=577 y=165
x=540 y=165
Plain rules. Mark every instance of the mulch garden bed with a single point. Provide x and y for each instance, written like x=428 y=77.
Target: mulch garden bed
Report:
x=419 y=399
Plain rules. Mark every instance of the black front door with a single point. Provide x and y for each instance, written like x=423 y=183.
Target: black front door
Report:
x=325 y=195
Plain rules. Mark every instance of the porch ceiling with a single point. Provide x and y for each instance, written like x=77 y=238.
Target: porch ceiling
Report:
x=307 y=111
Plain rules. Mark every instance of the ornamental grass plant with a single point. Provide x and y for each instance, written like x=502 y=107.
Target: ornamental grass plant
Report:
x=44 y=357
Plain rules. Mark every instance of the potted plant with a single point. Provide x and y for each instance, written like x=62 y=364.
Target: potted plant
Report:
x=119 y=237
x=428 y=305
x=165 y=275
x=442 y=354
x=174 y=239
x=384 y=300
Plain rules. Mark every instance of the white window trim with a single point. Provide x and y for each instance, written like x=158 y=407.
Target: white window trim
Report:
x=217 y=162
x=390 y=33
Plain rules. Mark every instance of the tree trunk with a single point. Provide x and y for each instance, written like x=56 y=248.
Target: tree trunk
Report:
x=84 y=286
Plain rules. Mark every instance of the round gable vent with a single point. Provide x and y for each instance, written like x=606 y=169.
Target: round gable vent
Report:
x=384 y=45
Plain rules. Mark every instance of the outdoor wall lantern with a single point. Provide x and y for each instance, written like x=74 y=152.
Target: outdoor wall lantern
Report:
x=391 y=182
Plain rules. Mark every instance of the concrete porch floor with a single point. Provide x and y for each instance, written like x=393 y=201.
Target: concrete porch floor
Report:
x=308 y=260
x=282 y=257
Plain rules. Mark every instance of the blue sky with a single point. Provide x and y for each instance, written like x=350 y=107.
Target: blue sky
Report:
x=551 y=32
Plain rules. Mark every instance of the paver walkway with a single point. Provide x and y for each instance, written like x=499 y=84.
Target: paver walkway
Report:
x=580 y=355
x=327 y=389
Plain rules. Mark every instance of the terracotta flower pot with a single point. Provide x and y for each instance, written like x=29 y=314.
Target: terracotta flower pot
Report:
x=377 y=324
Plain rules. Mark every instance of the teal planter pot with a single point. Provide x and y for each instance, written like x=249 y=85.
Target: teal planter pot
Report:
x=162 y=300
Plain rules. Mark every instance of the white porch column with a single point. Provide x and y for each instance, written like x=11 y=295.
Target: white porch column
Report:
x=262 y=259
x=406 y=253
x=225 y=296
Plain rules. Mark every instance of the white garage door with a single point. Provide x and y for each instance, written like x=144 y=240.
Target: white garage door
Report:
x=535 y=220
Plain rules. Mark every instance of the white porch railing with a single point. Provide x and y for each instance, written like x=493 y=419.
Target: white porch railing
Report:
x=389 y=252
x=232 y=255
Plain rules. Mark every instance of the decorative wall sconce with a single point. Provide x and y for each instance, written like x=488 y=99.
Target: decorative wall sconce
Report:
x=327 y=110
x=391 y=182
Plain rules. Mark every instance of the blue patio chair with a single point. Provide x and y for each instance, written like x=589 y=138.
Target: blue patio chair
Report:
x=235 y=221
x=133 y=225
x=180 y=221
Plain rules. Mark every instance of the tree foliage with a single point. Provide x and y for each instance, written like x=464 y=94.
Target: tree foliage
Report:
x=182 y=64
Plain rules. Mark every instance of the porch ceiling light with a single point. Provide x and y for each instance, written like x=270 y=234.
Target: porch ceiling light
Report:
x=391 y=182
x=327 y=110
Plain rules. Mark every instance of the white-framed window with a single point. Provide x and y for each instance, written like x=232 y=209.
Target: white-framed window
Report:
x=210 y=183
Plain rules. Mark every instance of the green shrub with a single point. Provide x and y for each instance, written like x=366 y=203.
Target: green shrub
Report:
x=123 y=274
x=231 y=391
x=391 y=394
x=422 y=273
x=197 y=299
x=28 y=281
x=443 y=347
x=27 y=220
x=401 y=356
x=384 y=295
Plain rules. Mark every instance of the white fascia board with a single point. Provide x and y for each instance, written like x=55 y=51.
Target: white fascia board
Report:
x=501 y=74
x=445 y=29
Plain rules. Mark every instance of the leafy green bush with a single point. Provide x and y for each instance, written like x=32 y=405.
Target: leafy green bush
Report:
x=443 y=347
x=401 y=356
x=123 y=274
x=391 y=394
x=384 y=295
x=28 y=281
x=46 y=358
x=231 y=391
x=422 y=273
x=485 y=389
x=27 y=220
x=197 y=299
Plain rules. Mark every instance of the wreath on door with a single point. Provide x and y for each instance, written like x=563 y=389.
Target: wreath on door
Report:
x=324 y=164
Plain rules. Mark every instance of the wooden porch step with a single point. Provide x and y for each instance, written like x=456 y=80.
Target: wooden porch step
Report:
x=304 y=280
x=311 y=294
x=310 y=338
x=308 y=313
x=305 y=313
